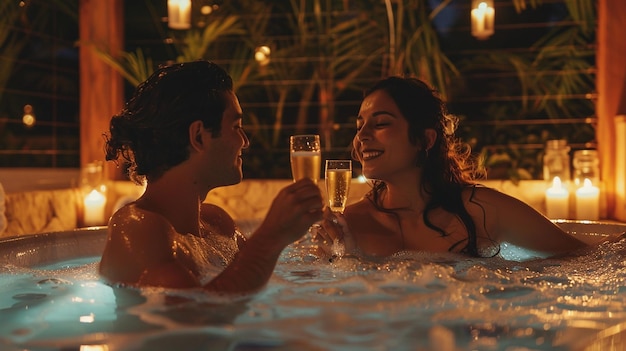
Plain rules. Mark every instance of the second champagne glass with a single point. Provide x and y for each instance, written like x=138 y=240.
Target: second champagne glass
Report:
x=338 y=178
x=338 y=175
x=306 y=156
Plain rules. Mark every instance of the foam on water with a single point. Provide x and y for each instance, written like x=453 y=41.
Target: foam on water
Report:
x=412 y=301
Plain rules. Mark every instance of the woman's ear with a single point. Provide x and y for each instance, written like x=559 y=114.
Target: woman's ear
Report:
x=430 y=136
x=196 y=128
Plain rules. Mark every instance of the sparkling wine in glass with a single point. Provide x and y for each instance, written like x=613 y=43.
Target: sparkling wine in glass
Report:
x=338 y=178
x=305 y=156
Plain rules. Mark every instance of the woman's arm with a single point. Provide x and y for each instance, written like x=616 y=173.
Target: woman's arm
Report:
x=508 y=219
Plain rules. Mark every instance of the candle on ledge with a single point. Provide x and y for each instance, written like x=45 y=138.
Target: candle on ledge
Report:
x=94 y=204
x=557 y=200
x=588 y=201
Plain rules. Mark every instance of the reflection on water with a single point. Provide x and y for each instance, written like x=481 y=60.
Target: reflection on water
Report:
x=412 y=301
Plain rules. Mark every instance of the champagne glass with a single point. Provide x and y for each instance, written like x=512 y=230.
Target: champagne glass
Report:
x=338 y=178
x=305 y=156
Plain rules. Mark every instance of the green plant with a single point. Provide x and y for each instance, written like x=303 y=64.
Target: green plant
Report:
x=417 y=49
x=324 y=51
x=554 y=80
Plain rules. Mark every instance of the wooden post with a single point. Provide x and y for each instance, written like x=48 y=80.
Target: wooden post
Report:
x=611 y=90
x=101 y=87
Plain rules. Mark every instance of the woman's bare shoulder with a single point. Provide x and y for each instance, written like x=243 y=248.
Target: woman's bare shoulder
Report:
x=486 y=194
x=361 y=213
x=481 y=202
x=363 y=206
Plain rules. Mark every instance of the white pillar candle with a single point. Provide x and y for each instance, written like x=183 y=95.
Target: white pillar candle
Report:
x=179 y=14
x=588 y=201
x=557 y=200
x=94 y=204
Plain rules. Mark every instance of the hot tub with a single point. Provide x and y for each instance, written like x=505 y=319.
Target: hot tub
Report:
x=51 y=298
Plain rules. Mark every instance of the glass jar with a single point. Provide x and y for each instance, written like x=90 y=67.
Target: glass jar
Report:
x=586 y=166
x=92 y=176
x=556 y=161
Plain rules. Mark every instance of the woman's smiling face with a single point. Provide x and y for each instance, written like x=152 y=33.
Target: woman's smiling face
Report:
x=382 y=138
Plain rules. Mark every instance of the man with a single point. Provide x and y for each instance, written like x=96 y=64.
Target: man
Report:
x=182 y=132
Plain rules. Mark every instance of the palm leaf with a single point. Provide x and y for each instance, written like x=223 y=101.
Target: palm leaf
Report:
x=133 y=67
x=195 y=43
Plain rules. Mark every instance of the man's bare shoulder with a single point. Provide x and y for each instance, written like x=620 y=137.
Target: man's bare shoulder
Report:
x=218 y=219
x=208 y=209
x=138 y=240
x=134 y=219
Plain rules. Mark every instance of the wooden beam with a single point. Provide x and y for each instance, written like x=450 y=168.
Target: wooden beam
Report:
x=611 y=77
x=101 y=87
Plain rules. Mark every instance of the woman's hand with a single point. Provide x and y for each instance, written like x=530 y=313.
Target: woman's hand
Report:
x=333 y=234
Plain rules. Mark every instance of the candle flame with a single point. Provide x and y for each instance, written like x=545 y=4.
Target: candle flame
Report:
x=94 y=196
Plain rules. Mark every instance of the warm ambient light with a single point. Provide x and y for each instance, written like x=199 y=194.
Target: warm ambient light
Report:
x=262 y=55
x=557 y=200
x=28 y=119
x=483 y=15
x=179 y=14
x=94 y=347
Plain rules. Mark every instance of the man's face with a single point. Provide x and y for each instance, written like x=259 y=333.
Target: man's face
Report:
x=226 y=149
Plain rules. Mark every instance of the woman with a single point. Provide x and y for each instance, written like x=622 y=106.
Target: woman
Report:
x=182 y=132
x=423 y=195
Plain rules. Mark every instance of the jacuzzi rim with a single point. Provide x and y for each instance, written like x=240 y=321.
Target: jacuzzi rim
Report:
x=587 y=221
x=50 y=247
x=35 y=236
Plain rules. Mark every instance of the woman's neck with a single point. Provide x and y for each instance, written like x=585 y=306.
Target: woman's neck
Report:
x=404 y=194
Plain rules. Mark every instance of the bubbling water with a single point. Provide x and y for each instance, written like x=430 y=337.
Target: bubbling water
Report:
x=411 y=301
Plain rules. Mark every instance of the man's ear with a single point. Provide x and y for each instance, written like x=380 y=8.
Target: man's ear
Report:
x=430 y=136
x=196 y=129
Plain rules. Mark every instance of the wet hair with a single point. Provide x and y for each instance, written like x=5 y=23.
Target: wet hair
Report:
x=151 y=132
x=448 y=166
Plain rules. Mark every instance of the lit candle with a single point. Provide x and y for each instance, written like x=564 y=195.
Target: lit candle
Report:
x=179 y=14
x=588 y=201
x=94 y=203
x=557 y=200
x=482 y=21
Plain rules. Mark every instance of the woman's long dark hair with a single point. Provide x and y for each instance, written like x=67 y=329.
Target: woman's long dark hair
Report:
x=448 y=167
